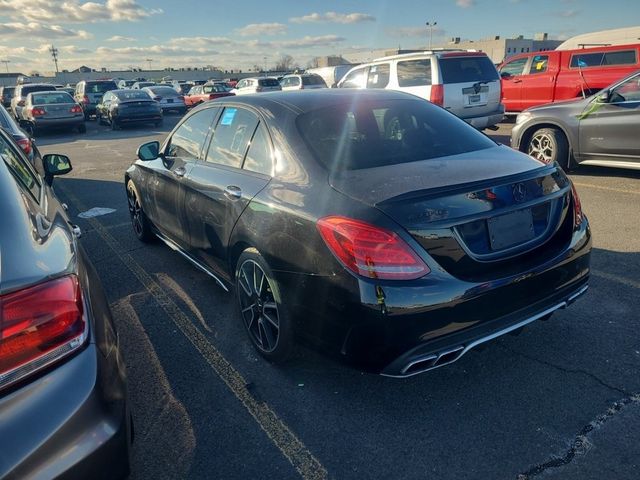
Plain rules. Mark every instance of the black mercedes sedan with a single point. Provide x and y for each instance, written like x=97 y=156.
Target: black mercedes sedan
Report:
x=120 y=107
x=63 y=408
x=373 y=224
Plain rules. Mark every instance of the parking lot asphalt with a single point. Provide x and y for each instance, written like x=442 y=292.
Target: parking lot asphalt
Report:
x=559 y=401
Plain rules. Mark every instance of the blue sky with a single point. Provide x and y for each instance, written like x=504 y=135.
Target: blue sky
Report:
x=240 y=34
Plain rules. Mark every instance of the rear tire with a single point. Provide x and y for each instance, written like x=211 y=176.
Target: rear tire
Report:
x=261 y=307
x=139 y=221
x=549 y=145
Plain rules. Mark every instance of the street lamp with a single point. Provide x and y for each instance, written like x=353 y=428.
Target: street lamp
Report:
x=430 y=26
x=149 y=60
x=6 y=64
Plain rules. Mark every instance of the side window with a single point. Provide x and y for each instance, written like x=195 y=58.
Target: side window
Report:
x=260 y=157
x=414 y=73
x=355 y=79
x=515 y=67
x=294 y=81
x=628 y=91
x=231 y=137
x=189 y=138
x=584 y=60
x=539 y=64
x=20 y=169
x=378 y=76
x=626 y=57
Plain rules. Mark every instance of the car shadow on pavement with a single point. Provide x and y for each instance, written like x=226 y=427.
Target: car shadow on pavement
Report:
x=529 y=395
x=592 y=171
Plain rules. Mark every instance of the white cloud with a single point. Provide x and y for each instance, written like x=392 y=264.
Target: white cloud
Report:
x=334 y=17
x=465 y=3
x=120 y=38
x=75 y=11
x=409 y=32
x=39 y=30
x=255 y=29
x=569 y=13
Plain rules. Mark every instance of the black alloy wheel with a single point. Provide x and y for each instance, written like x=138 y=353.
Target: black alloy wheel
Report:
x=139 y=221
x=260 y=307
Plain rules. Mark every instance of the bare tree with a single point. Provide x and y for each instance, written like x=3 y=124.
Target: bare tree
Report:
x=313 y=63
x=284 y=63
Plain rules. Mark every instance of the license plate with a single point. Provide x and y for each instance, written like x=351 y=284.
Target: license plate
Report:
x=510 y=229
x=474 y=99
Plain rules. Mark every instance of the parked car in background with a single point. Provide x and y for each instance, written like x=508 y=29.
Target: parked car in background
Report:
x=89 y=93
x=140 y=85
x=70 y=90
x=202 y=93
x=602 y=129
x=169 y=99
x=44 y=110
x=368 y=222
x=465 y=83
x=6 y=94
x=22 y=138
x=122 y=107
x=331 y=75
x=20 y=96
x=181 y=86
x=123 y=84
x=63 y=399
x=537 y=78
x=256 y=85
x=302 y=81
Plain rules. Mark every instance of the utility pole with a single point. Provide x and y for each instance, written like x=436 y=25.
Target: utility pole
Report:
x=430 y=26
x=149 y=60
x=6 y=64
x=265 y=63
x=54 y=53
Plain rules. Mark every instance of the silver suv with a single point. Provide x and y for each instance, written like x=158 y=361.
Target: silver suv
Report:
x=464 y=82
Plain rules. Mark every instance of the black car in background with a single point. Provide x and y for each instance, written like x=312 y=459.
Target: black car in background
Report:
x=598 y=130
x=371 y=223
x=63 y=406
x=127 y=106
x=6 y=94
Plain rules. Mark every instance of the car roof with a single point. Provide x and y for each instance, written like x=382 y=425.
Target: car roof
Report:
x=303 y=101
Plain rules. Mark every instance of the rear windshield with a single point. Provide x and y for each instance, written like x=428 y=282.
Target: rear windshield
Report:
x=99 y=87
x=53 y=97
x=376 y=133
x=268 y=82
x=467 y=69
x=8 y=91
x=313 y=80
x=164 y=91
x=218 y=88
x=132 y=95
x=36 y=88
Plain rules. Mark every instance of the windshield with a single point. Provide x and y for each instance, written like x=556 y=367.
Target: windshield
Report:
x=366 y=134
x=36 y=88
x=467 y=69
x=99 y=87
x=53 y=97
x=268 y=82
x=167 y=91
x=132 y=95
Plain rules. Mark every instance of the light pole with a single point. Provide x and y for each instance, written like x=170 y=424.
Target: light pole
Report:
x=430 y=26
x=6 y=64
x=149 y=60
x=265 y=64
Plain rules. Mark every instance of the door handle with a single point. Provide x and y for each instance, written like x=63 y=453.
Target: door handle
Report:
x=517 y=81
x=232 y=192
x=180 y=171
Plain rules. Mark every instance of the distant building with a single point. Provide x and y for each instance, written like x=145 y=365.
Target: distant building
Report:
x=618 y=36
x=497 y=48
x=82 y=69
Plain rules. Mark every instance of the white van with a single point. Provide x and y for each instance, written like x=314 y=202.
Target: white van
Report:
x=464 y=82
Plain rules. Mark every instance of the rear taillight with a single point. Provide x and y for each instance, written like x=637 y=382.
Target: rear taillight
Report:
x=577 y=207
x=39 y=325
x=437 y=95
x=25 y=145
x=76 y=109
x=85 y=100
x=37 y=111
x=371 y=251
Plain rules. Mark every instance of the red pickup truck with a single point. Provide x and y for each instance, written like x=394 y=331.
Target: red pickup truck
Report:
x=536 y=78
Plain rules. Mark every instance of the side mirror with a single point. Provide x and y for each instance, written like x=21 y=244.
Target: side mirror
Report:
x=55 y=164
x=505 y=75
x=149 y=151
x=603 y=97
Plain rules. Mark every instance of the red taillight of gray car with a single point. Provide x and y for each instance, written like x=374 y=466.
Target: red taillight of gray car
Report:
x=38 y=326
x=371 y=251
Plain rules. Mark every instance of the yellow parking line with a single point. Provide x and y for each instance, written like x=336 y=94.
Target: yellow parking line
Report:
x=287 y=442
x=616 y=278
x=609 y=189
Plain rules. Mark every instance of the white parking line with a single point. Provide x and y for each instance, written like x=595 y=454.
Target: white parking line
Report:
x=609 y=189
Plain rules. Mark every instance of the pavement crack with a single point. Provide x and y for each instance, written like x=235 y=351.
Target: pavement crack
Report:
x=594 y=377
x=581 y=443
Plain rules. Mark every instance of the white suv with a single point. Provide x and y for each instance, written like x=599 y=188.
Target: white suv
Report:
x=464 y=82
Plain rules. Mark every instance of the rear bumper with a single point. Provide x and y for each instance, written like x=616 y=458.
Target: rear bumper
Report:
x=384 y=326
x=488 y=120
x=145 y=118
x=72 y=422
x=57 y=122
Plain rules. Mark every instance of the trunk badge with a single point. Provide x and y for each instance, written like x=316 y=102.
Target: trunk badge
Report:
x=519 y=191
